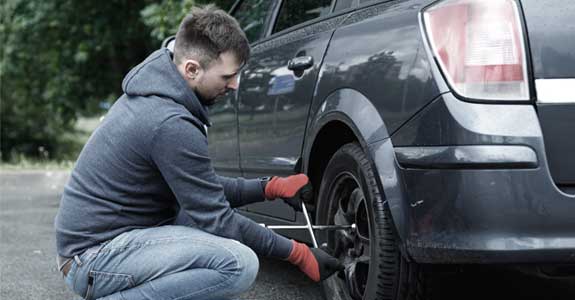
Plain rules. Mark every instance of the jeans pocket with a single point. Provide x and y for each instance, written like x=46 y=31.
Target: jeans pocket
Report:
x=104 y=283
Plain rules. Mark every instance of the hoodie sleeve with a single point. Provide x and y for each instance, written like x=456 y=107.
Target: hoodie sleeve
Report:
x=240 y=191
x=180 y=152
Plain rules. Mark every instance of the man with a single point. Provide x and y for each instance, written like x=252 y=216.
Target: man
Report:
x=143 y=215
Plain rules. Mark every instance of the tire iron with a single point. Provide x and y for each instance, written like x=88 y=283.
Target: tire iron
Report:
x=309 y=227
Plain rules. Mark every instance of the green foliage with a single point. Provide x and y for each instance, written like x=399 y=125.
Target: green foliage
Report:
x=60 y=59
x=164 y=17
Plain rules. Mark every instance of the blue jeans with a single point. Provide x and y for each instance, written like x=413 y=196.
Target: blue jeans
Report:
x=167 y=262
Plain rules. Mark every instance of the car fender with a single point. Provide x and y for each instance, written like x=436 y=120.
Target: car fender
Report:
x=359 y=114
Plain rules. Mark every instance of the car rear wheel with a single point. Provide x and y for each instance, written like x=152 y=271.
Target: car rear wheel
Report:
x=375 y=268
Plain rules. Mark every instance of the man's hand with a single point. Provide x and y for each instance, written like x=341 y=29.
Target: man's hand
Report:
x=293 y=190
x=315 y=263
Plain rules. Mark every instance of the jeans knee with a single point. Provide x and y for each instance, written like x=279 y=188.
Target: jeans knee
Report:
x=248 y=266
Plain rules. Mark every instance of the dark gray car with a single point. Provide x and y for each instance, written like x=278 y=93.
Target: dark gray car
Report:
x=444 y=129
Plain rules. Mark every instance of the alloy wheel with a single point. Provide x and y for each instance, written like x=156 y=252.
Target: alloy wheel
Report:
x=352 y=247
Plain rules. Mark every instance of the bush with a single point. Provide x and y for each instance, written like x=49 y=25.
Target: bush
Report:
x=61 y=59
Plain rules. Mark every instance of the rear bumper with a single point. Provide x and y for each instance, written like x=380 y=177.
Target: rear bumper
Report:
x=478 y=187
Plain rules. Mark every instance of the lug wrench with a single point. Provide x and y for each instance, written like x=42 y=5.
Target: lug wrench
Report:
x=310 y=227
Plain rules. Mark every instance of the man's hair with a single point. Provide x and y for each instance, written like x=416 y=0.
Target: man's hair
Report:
x=205 y=33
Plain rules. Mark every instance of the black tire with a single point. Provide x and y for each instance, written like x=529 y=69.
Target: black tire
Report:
x=389 y=275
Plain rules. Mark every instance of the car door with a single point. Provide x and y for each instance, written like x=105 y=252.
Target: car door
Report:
x=223 y=134
x=276 y=91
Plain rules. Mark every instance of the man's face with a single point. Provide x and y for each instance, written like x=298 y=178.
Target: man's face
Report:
x=214 y=80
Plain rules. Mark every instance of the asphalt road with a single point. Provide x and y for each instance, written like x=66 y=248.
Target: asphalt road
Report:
x=29 y=201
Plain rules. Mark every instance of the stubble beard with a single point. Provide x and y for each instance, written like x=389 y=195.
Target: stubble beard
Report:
x=206 y=101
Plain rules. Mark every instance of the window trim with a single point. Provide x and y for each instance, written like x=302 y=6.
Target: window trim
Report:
x=332 y=14
x=273 y=18
x=269 y=36
x=267 y=21
x=276 y=14
x=333 y=2
x=354 y=4
x=234 y=7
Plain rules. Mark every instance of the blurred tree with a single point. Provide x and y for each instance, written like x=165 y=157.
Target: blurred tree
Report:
x=62 y=58
x=164 y=17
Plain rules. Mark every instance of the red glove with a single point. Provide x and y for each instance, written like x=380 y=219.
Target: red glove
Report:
x=315 y=263
x=293 y=189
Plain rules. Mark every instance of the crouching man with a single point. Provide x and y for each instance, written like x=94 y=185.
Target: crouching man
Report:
x=144 y=215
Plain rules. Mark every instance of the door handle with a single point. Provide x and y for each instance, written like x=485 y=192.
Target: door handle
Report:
x=300 y=63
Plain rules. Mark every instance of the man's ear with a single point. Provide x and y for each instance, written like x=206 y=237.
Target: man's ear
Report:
x=192 y=69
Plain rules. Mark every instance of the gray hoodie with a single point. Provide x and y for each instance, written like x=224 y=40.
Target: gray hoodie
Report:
x=149 y=158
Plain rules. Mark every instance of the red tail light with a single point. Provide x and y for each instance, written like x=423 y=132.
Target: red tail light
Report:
x=479 y=47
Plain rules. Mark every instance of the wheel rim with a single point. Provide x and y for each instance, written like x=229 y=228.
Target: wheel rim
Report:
x=351 y=247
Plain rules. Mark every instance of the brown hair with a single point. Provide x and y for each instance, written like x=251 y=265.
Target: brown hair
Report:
x=206 y=32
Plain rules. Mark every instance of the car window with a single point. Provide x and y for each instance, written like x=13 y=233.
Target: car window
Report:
x=343 y=4
x=252 y=15
x=294 y=12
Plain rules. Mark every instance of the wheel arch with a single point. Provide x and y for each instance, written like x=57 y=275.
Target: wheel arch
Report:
x=347 y=116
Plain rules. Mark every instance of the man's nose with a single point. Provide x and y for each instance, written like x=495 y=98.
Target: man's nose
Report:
x=233 y=83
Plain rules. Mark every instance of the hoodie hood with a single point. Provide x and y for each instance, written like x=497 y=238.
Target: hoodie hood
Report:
x=158 y=76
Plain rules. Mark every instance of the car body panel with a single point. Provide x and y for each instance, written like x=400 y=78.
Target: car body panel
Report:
x=390 y=81
x=558 y=126
x=274 y=103
x=483 y=213
x=552 y=47
x=360 y=115
x=550 y=27
x=223 y=137
x=355 y=110
x=378 y=50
